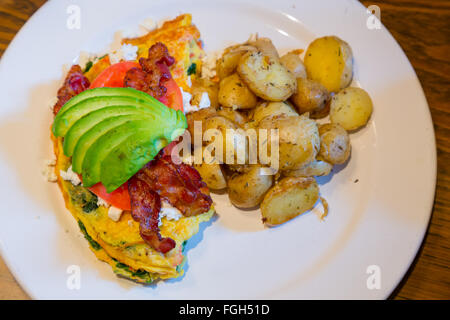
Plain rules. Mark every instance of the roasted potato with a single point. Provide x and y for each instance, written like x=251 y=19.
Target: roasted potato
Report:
x=294 y=64
x=247 y=190
x=265 y=46
x=299 y=141
x=351 y=108
x=272 y=109
x=234 y=93
x=316 y=168
x=329 y=60
x=236 y=116
x=227 y=64
x=289 y=198
x=200 y=115
x=199 y=86
x=311 y=96
x=266 y=76
x=212 y=174
x=334 y=143
x=234 y=142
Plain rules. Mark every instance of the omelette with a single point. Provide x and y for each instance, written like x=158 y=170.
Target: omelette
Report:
x=119 y=243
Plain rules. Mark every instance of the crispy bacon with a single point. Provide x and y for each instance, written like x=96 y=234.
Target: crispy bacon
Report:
x=154 y=72
x=180 y=185
x=74 y=84
x=145 y=207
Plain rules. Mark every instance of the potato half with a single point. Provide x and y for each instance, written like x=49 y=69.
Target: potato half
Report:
x=311 y=96
x=351 y=108
x=247 y=190
x=272 y=109
x=334 y=143
x=299 y=140
x=329 y=60
x=289 y=198
x=294 y=64
x=234 y=93
x=266 y=76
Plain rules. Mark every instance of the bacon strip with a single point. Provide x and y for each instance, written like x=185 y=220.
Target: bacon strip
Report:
x=74 y=84
x=154 y=72
x=180 y=185
x=145 y=207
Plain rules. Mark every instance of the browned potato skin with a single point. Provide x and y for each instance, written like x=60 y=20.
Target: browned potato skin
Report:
x=335 y=145
x=200 y=115
x=237 y=117
x=227 y=64
x=247 y=190
x=289 y=198
x=294 y=64
x=299 y=140
x=316 y=168
x=266 y=46
x=266 y=110
x=205 y=85
x=266 y=76
x=234 y=93
x=311 y=96
x=212 y=175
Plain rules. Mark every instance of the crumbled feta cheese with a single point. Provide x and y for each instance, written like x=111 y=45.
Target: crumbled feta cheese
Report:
x=189 y=81
x=209 y=64
x=168 y=211
x=187 y=107
x=102 y=202
x=48 y=170
x=71 y=176
x=129 y=52
x=204 y=101
x=126 y=52
x=114 y=213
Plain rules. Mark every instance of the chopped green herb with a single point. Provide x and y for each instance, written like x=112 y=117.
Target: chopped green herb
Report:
x=88 y=66
x=91 y=241
x=192 y=69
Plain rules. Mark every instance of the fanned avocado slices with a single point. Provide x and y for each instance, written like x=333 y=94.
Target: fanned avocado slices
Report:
x=90 y=120
x=111 y=133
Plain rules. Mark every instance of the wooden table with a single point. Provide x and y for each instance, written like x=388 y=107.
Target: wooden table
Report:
x=423 y=30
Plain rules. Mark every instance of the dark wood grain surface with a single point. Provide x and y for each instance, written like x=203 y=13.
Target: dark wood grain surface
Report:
x=423 y=30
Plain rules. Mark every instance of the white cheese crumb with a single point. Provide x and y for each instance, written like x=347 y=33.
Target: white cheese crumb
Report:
x=114 y=213
x=129 y=52
x=71 y=176
x=48 y=170
x=168 y=211
x=204 y=101
x=102 y=202
x=187 y=107
x=189 y=81
x=130 y=223
x=209 y=64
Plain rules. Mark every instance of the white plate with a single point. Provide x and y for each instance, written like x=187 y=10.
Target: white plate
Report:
x=378 y=221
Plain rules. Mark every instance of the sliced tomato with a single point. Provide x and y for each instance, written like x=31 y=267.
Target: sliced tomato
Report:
x=113 y=76
x=173 y=98
x=119 y=198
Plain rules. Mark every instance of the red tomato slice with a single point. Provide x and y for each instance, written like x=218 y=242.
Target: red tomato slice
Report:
x=119 y=198
x=113 y=76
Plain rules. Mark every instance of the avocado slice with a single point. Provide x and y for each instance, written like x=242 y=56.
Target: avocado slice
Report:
x=127 y=158
x=63 y=122
x=94 y=133
x=91 y=119
x=105 y=92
